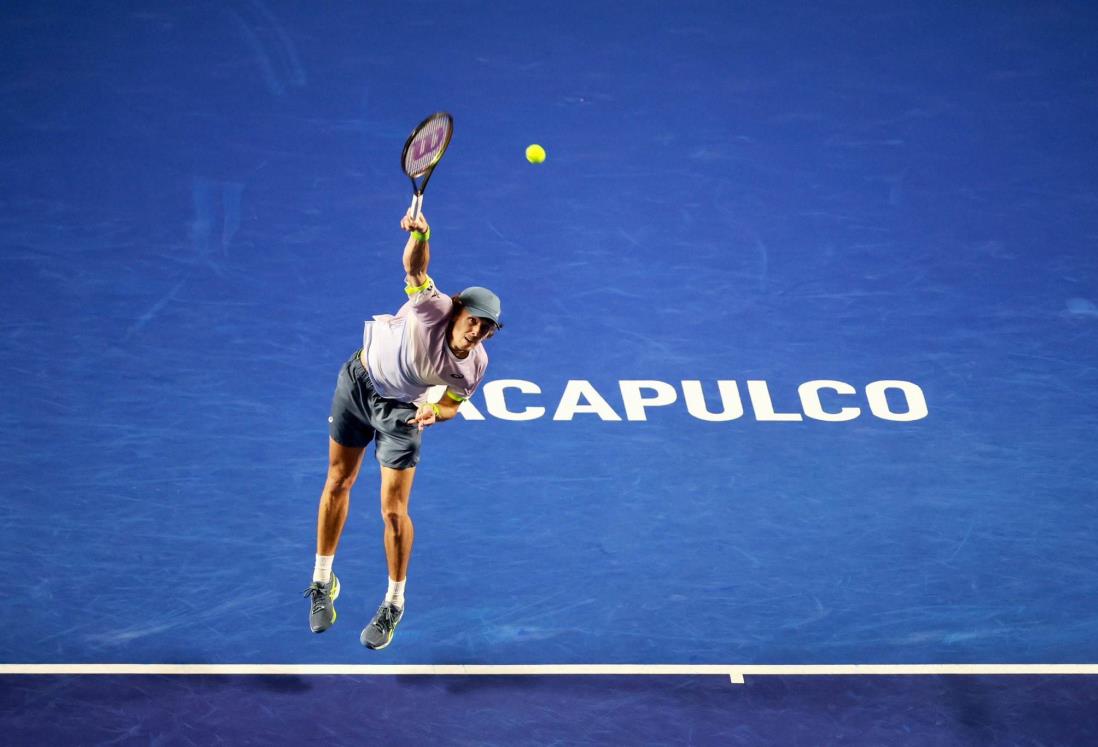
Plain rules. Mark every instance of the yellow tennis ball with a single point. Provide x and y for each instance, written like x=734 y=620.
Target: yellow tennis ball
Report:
x=535 y=153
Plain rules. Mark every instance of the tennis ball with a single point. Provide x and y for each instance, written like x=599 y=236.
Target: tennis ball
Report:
x=535 y=153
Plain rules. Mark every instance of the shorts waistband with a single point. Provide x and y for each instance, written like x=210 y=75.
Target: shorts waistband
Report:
x=358 y=370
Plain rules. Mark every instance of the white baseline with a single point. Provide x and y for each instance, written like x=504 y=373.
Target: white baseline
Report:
x=555 y=669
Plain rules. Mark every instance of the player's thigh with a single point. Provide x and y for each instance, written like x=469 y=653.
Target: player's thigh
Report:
x=396 y=489
x=344 y=463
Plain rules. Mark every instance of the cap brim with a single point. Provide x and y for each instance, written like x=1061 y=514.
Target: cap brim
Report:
x=485 y=313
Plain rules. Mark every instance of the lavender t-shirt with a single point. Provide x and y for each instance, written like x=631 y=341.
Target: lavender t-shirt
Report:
x=407 y=353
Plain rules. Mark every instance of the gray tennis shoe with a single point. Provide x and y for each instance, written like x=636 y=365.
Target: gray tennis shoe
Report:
x=322 y=612
x=379 y=633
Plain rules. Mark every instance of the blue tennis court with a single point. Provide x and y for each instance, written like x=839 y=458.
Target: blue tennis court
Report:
x=798 y=371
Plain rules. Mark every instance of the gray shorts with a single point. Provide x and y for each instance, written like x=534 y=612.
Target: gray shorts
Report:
x=360 y=414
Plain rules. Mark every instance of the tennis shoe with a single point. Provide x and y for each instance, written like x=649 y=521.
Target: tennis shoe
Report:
x=379 y=633
x=322 y=612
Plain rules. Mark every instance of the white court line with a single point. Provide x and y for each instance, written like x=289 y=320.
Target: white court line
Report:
x=735 y=671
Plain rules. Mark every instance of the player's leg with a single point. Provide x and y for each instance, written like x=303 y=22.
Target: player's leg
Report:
x=396 y=490
x=397 y=451
x=344 y=463
x=348 y=434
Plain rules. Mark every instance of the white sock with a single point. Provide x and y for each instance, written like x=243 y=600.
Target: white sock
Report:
x=395 y=596
x=322 y=571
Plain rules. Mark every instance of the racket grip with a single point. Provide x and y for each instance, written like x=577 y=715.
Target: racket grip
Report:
x=417 y=205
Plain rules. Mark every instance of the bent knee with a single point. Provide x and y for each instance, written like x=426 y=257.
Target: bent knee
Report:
x=339 y=484
x=394 y=517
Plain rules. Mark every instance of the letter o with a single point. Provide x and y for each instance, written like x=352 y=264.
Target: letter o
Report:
x=878 y=403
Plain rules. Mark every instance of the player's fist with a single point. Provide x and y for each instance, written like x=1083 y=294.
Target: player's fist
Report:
x=419 y=223
x=425 y=416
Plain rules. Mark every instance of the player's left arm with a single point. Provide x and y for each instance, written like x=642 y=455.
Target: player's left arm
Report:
x=430 y=413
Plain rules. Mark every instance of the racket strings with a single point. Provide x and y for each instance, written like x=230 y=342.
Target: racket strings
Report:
x=427 y=146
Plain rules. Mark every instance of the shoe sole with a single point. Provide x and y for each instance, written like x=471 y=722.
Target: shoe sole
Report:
x=335 y=596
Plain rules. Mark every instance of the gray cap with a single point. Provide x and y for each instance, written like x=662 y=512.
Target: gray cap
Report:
x=481 y=302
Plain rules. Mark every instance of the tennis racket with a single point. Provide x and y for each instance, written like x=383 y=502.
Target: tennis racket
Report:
x=422 y=151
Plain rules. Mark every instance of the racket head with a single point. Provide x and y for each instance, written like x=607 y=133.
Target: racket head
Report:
x=425 y=146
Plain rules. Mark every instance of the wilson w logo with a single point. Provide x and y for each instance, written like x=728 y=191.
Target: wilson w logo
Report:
x=427 y=145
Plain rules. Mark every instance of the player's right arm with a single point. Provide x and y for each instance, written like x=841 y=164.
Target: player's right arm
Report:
x=425 y=301
x=417 y=252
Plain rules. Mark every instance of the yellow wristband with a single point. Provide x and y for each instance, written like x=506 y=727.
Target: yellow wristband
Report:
x=419 y=236
x=411 y=290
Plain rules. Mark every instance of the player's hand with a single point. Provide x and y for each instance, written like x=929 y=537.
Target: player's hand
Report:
x=419 y=224
x=425 y=416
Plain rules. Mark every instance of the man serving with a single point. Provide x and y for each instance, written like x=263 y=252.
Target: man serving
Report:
x=381 y=395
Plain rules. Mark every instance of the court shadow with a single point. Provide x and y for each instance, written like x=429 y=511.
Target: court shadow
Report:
x=968 y=701
x=279 y=683
x=456 y=684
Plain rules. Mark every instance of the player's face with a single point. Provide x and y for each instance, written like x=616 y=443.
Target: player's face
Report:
x=469 y=331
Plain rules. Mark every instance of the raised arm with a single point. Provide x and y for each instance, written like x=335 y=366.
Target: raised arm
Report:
x=417 y=252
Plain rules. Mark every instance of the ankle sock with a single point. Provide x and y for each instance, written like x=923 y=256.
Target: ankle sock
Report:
x=395 y=595
x=322 y=571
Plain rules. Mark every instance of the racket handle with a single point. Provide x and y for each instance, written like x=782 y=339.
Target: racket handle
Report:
x=417 y=206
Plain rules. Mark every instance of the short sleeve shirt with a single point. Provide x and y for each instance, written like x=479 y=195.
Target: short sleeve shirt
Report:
x=407 y=353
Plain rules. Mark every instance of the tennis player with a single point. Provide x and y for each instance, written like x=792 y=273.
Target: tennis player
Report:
x=381 y=395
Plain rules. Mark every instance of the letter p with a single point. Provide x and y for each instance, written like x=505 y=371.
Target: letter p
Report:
x=635 y=402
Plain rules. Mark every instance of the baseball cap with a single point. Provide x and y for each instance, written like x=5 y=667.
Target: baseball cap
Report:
x=481 y=302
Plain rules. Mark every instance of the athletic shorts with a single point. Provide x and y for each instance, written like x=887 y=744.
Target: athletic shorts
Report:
x=360 y=414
